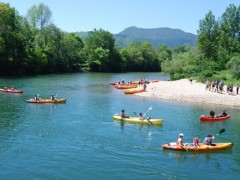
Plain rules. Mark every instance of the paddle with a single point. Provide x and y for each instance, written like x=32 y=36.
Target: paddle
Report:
x=220 y=132
x=150 y=108
x=184 y=148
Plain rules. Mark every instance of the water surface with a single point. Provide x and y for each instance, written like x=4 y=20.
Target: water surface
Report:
x=79 y=139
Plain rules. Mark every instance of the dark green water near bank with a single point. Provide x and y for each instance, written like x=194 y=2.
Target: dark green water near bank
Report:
x=79 y=139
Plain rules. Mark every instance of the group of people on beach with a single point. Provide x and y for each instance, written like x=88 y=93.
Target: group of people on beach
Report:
x=216 y=86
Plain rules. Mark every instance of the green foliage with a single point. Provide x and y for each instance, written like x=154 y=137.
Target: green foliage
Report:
x=140 y=57
x=39 y=16
x=102 y=56
x=32 y=45
x=234 y=66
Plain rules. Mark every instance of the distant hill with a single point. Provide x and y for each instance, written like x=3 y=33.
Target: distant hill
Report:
x=168 y=36
x=156 y=36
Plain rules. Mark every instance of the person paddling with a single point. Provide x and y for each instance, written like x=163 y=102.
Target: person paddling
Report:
x=180 y=140
x=208 y=140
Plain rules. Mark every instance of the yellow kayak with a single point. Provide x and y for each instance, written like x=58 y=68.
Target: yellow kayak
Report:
x=139 y=121
x=201 y=148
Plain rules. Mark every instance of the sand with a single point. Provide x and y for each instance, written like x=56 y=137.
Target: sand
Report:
x=184 y=90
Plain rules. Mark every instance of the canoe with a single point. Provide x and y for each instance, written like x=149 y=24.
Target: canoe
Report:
x=126 y=86
x=11 y=91
x=139 y=121
x=215 y=118
x=201 y=148
x=134 y=91
x=46 y=101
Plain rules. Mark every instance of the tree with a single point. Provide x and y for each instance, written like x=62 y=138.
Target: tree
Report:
x=12 y=46
x=229 y=38
x=72 y=52
x=101 y=51
x=163 y=53
x=207 y=36
x=140 y=56
x=39 y=16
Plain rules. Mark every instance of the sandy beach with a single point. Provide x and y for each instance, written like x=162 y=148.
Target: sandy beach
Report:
x=184 y=90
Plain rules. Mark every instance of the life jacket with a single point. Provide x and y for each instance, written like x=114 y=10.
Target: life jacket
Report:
x=208 y=141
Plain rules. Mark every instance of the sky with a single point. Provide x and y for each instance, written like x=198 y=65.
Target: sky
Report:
x=116 y=15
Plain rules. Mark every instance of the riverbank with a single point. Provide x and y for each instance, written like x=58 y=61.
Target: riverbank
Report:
x=184 y=90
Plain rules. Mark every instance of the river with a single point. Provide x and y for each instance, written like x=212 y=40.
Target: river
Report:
x=80 y=140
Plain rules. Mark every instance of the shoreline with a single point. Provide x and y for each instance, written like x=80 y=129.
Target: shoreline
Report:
x=184 y=90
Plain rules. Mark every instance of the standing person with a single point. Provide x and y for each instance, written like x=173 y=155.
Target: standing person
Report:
x=180 y=140
x=145 y=86
x=208 y=140
x=237 y=88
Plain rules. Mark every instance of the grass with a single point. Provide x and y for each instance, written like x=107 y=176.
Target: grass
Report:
x=224 y=75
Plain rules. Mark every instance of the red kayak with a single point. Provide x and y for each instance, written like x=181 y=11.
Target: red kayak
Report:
x=215 y=118
x=11 y=91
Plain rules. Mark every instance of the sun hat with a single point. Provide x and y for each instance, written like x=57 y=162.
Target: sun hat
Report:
x=181 y=134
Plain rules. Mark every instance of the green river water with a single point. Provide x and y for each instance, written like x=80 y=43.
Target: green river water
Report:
x=80 y=140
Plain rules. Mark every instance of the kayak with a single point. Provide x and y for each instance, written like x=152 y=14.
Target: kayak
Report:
x=201 y=148
x=134 y=91
x=46 y=101
x=126 y=86
x=137 y=120
x=11 y=91
x=215 y=118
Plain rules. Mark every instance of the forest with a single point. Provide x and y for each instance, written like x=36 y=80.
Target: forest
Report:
x=33 y=45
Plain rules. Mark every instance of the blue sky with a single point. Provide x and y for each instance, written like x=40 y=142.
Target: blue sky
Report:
x=116 y=15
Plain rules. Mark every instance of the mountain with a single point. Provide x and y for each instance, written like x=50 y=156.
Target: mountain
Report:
x=156 y=36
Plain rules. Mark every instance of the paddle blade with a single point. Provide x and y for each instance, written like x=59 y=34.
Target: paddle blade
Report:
x=221 y=131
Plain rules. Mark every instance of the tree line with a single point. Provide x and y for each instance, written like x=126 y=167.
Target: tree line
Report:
x=34 y=45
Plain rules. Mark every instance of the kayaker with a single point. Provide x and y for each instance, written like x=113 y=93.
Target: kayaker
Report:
x=196 y=142
x=180 y=140
x=208 y=140
x=141 y=116
x=122 y=114
x=223 y=114
x=36 y=98
x=53 y=98
x=212 y=114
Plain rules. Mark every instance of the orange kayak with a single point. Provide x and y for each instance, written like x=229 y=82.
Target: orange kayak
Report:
x=133 y=91
x=201 y=148
x=126 y=86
